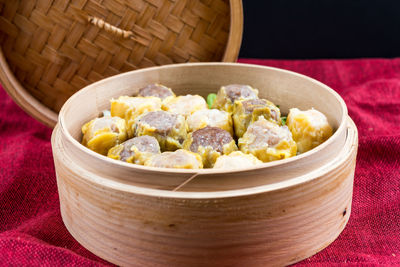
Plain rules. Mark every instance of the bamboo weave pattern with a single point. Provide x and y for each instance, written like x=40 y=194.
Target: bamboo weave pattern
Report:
x=56 y=47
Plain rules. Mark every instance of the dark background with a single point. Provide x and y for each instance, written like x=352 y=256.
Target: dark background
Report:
x=306 y=29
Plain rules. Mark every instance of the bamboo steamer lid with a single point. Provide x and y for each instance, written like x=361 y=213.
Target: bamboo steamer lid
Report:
x=51 y=49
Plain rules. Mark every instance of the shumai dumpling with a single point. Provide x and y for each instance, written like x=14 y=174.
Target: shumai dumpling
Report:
x=157 y=90
x=210 y=117
x=181 y=159
x=248 y=111
x=268 y=141
x=210 y=143
x=129 y=108
x=184 y=104
x=236 y=160
x=227 y=95
x=140 y=105
x=135 y=150
x=168 y=128
x=309 y=128
x=103 y=133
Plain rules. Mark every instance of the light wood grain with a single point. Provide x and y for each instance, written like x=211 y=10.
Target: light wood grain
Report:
x=235 y=33
x=274 y=214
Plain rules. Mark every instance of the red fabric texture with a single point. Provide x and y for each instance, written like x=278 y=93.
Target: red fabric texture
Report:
x=31 y=228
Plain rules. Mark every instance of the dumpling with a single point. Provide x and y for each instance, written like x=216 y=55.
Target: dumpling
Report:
x=210 y=117
x=129 y=108
x=268 y=141
x=135 y=150
x=181 y=159
x=248 y=111
x=236 y=160
x=156 y=90
x=309 y=128
x=137 y=105
x=169 y=129
x=103 y=133
x=210 y=143
x=227 y=95
x=184 y=104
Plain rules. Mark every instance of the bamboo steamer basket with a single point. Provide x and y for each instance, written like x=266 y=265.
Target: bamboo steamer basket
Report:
x=274 y=214
x=51 y=49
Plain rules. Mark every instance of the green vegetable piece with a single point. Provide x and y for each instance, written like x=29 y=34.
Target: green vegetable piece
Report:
x=210 y=99
x=283 y=120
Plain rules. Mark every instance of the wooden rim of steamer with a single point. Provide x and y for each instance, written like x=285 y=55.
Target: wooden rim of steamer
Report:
x=76 y=148
x=348 y=150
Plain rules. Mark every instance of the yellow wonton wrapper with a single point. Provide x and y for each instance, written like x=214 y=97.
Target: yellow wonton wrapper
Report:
x=268 y=141
x=171 y=136
x=309 y=128
x=103 y=133
x=129 y=108
x=136 y=150
x=227 y=95
x=248 y=111
x=210 y=155
x=210 y=143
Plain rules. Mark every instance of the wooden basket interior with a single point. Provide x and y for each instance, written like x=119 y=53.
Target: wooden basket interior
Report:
x=54 y=48
x=281 y=87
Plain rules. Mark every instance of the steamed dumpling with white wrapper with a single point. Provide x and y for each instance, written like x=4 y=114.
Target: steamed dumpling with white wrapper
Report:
x=212 y=118
x=236 y=160
x=309 y=128
x=180 y=159
x=184 y=104
x=268 y=141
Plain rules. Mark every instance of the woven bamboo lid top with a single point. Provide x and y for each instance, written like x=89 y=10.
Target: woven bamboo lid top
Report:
x=53 y=48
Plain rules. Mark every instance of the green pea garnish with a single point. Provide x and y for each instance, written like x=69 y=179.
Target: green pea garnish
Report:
x=283 y=120
x=210 y=99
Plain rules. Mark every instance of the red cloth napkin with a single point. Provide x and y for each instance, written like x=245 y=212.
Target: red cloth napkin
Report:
x=32 y=232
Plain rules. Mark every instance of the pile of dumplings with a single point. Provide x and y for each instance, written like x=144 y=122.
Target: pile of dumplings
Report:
x=233 y=129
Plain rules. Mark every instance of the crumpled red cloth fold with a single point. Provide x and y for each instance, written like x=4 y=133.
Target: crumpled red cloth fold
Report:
x=32 y=232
